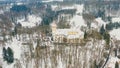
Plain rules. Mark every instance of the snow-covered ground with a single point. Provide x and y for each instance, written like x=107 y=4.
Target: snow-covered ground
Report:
x=15 y=45
x=59 y=56
x=32 y=20
x=112 y=61
x=115 y=33
x=0 y=52
x=1 y=11
x=100 y=21
x=77 y=21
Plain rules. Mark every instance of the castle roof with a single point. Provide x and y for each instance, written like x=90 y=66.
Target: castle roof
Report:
x=69 y=33
x=53 y=24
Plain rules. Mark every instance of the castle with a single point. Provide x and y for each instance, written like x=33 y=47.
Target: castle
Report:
x=66 y=35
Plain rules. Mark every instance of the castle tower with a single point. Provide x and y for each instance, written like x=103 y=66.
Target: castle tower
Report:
x=53 y=27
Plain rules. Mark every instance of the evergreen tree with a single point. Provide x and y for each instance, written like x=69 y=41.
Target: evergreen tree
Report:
x=85 y=35
x=4 y=53
x=10 y=58
x=15 y=30
x=107 y=37
x=8 y=55
x=102 y=30
x=109 y=26
x=109 y=19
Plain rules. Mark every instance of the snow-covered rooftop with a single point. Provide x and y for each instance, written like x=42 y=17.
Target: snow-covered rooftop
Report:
x=77 y=21
x=100 y=22
x=69 y=33
x=79 y=8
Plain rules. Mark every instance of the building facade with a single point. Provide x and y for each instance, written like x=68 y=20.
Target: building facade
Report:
x=66 y=35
